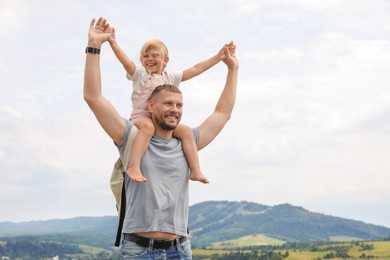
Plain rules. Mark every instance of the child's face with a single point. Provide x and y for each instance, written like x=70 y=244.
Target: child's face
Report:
x=154 y=61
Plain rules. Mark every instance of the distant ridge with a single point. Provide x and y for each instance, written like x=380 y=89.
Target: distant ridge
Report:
x=63 y=226
x=215 y=221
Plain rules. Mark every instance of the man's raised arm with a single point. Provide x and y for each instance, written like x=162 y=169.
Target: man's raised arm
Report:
x=210 y=128
x=104 y=112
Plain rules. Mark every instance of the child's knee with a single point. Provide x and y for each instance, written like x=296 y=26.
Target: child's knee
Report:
x=183 y=132
x=148 y=127
x=145 y=124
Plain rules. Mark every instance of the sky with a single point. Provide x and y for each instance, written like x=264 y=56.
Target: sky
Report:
x=310 y=127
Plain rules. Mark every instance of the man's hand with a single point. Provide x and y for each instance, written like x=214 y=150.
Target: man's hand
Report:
x=230 y=46
x=230 y=58
x=99 y=32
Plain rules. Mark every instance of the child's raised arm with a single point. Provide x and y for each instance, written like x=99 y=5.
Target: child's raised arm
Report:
x=206 y=64
x=128 y=64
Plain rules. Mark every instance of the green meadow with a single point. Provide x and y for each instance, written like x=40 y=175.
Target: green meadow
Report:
x=378 y=250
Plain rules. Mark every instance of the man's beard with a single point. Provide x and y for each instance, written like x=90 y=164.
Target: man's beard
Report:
x=161 y=122
x=167 y=127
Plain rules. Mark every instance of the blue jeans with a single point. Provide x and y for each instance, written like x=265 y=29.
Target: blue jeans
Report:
x=130 y=250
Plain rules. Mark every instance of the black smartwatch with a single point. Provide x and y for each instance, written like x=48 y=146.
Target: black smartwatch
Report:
x=92 y=50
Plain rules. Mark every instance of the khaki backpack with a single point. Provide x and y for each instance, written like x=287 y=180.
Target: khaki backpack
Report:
x=117 y=182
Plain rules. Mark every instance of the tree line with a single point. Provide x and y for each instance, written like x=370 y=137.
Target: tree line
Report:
x=28 y=248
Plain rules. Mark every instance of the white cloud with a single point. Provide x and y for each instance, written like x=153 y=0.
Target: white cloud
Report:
x=274 y=56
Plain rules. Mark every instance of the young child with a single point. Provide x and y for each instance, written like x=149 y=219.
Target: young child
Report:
x=154 y=59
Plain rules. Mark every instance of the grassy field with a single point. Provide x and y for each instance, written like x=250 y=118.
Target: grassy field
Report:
x=91 y=250
x=255 y=240
x=378 y=250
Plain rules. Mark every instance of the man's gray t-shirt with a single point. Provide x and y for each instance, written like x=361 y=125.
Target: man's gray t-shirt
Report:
x=160 y=204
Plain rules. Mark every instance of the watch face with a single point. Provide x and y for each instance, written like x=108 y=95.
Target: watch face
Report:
x=92 y=50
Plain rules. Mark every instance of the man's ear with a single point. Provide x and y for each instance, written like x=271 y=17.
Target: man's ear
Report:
x=150 y=106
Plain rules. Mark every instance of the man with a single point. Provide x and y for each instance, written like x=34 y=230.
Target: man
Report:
x=156 y=220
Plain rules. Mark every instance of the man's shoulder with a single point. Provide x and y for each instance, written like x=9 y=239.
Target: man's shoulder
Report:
x=130 y=130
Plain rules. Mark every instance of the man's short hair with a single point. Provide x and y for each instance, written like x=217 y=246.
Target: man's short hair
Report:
x=167 y=87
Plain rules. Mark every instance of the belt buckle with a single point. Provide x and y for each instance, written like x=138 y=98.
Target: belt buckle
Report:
x=172 y=242
x=163 y=244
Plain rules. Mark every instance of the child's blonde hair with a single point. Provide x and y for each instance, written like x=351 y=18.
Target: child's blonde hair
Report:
x=154 y=44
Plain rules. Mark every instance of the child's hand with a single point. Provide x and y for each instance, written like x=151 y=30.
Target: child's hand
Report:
x=221 y=54
x=230 y=47
x=111 y=31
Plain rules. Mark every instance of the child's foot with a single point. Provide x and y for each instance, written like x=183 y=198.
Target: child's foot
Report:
x=198 y=176
x=135 y=174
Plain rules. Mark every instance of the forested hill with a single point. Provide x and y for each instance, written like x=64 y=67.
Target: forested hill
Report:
x=223 y=220
x=215 y=221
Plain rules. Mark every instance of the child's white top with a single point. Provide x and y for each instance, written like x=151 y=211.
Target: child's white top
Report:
x=144 y=84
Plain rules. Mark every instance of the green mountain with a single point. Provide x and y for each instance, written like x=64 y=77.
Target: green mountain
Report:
x=212 y=221
x=93 y=231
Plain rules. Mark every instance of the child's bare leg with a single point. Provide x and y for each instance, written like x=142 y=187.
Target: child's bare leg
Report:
x=139 y=146
x=185 y=134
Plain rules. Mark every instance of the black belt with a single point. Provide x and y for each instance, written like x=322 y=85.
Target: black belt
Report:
x=157 y=243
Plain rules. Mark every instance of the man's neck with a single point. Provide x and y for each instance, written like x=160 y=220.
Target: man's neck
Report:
x=164 y=134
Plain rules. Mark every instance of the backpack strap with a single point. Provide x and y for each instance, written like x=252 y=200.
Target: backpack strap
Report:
x=126 y=153
x=126 y=162
x=122 y=212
